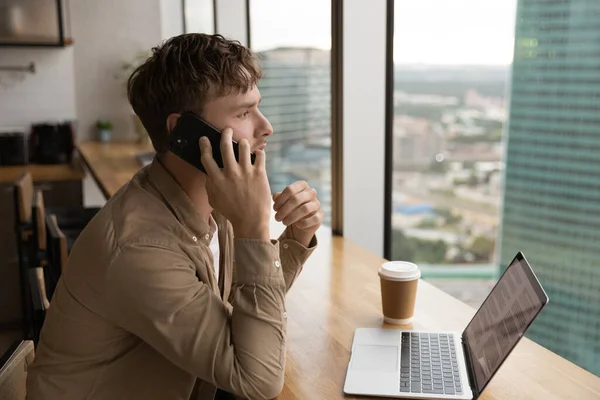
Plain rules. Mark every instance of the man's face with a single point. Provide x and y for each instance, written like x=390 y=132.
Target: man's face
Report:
x=239 y=111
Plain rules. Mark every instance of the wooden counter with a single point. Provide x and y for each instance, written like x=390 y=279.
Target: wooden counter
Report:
x=43 y=173
x=338 y=291
x=112 y=164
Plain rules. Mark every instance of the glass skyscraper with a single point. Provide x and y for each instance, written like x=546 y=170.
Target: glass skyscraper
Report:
x=552 y=185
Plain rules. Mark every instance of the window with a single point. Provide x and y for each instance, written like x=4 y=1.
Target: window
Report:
x=296 y=91
x=451 y=68
x=495 y=144
x=551 y=184
x=199 y=16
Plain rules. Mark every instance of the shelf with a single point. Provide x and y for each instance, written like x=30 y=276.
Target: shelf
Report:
x=67 y=42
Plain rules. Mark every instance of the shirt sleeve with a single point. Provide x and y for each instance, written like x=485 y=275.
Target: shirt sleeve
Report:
x=293 y=255
x=154 y=293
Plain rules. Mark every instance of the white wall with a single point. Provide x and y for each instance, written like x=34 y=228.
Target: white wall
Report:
x=47 y=95
x=171 y=18
x=106 y=34
x=364 y=122
x=79 y=81
x=232 y=21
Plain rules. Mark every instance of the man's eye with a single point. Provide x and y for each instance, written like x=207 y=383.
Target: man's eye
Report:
x=244 y=115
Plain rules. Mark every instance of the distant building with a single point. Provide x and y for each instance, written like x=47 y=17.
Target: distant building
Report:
x=552 y=183
x=416 y=142
x=296 y=93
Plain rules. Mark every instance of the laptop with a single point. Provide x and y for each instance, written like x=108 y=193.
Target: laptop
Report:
x=448 y=365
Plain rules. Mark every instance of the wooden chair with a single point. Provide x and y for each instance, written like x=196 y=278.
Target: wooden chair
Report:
x=36 y=272
x=58 y=247
x=39 y=260
x=13 y=370
x=38 y=276
x=39 y=301
x=54 y=232
x=23 y=195
x=32 y=244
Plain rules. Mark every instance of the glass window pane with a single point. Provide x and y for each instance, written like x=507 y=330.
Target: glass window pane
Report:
x=452 y=63
x=296 y=91
x=496 y=126
x=199 y=16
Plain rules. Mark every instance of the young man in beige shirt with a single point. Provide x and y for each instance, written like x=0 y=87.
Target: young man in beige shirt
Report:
x=175 y=289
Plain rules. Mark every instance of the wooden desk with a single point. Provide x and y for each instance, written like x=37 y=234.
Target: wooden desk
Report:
x=338 y=291
x=112 y=164
x=43 y=173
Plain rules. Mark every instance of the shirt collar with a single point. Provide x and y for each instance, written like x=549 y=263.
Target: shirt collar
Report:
x=179 y=202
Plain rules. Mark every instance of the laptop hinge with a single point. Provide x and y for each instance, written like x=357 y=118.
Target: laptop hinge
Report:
x=470 y=372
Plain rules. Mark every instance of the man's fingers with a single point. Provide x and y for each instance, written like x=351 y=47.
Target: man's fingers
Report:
x=310 y=221
x=206 y=157
x=229 y=161
x=303 y=211
x=288 y=192
x=294 y=202
x=260 y=161
x=244 y=151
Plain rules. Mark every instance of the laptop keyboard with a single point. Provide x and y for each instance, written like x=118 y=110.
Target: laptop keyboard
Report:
x=428 y=364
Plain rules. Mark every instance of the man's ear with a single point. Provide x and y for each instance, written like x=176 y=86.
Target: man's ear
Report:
x=172 y=121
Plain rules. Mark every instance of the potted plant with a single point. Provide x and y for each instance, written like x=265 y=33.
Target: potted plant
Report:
x=104 y=130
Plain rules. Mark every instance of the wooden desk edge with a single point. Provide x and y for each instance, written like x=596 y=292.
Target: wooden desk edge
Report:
x=43 y=172
x=92 y=170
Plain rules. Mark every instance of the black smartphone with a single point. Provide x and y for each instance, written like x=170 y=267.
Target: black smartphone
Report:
x=184 y=141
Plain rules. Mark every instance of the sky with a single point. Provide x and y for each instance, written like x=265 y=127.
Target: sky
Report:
x=431 y=32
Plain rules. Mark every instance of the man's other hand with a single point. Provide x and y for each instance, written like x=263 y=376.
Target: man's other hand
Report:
x=298 y=207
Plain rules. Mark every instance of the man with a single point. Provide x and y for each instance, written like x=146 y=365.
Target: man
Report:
x=175 y=288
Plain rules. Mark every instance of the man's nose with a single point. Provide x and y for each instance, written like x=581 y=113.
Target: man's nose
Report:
x=266 y=129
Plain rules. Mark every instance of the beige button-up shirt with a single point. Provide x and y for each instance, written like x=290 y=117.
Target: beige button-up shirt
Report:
x=139 y=313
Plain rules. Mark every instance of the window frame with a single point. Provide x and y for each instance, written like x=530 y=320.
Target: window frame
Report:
x=389 y=132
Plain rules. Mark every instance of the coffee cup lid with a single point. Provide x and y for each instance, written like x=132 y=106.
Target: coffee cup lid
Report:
x=399 y=271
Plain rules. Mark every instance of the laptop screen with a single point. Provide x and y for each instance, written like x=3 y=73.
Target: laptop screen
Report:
x=502 y=320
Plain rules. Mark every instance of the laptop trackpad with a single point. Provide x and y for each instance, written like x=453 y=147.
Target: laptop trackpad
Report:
x=375 y=358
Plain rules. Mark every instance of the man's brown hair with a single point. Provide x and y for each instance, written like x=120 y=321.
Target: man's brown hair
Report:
x=183 y=74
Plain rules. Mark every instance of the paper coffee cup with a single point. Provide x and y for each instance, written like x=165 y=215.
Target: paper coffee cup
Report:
x=399 y=280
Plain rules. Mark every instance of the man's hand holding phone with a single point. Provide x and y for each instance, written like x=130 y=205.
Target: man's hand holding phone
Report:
x=240 y=191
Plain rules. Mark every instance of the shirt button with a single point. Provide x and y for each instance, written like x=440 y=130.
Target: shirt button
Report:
x=207 y=236
x=285 y=315
x=194 y=238
x=285 y=245
x=277 y=264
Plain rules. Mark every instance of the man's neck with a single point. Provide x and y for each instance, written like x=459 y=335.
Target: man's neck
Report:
x=191 y=180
